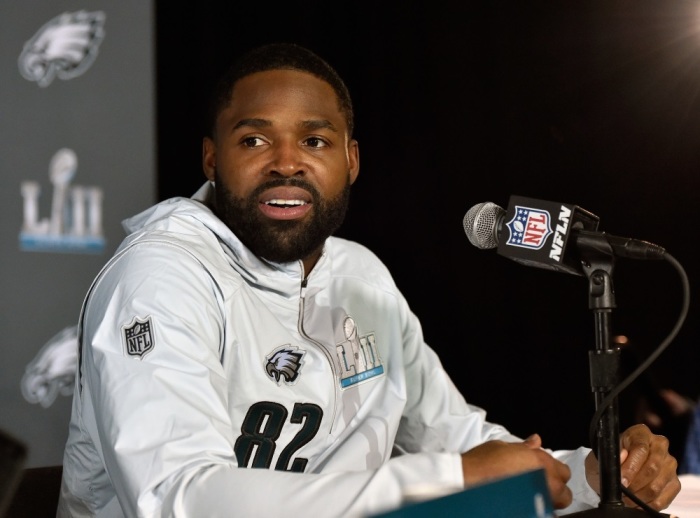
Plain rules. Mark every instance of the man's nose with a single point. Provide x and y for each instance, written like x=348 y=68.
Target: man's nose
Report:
x=287 y=159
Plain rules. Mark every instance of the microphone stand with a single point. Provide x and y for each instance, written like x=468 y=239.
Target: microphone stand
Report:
x=604 y=362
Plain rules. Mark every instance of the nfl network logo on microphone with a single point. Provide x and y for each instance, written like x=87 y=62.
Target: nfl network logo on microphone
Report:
x=529 y=228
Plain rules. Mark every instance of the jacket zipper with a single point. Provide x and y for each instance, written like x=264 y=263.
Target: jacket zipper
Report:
x=320 y=346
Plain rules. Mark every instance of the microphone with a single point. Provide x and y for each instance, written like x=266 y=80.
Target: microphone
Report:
x=545 y=234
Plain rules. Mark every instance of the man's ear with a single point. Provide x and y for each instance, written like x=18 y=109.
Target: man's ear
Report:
x=209 y=158
x=353 y=159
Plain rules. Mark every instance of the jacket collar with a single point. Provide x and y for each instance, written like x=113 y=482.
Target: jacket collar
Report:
x=283 y=278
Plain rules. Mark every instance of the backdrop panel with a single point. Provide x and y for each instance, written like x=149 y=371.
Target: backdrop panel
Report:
x=76 y=157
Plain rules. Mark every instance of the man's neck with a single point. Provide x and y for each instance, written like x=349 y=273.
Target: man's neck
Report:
x=310 y=261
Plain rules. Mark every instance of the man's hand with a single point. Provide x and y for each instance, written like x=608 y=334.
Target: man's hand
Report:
x=496 y=459
x=647 y=468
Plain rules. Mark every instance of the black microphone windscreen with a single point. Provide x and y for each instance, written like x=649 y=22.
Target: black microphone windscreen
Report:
x=481 y=224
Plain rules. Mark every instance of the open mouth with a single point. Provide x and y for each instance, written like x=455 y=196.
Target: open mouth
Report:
x=285 y=204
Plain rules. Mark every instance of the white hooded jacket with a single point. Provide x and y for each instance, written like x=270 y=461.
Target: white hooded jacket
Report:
x=199 y=359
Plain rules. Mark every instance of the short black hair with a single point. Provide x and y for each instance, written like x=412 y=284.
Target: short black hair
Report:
x=278 y=56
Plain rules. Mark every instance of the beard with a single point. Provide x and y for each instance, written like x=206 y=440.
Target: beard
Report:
x=281 y=241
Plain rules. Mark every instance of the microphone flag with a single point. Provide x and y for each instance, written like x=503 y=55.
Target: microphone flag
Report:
x=540 y=232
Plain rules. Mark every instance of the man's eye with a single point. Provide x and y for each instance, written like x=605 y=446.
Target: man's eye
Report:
x=253 y=141
x=316 y=142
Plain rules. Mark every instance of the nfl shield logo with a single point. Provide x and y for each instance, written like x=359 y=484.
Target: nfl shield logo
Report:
x=138 y=337
x=529 y=228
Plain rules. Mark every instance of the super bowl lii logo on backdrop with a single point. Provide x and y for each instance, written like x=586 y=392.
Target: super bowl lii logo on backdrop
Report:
x=75 y=222
x=65 y=47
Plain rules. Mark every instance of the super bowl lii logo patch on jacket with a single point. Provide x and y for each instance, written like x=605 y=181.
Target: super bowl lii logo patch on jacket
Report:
x=358 y=356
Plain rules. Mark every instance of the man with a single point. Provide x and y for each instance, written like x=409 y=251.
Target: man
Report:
x=230 y=331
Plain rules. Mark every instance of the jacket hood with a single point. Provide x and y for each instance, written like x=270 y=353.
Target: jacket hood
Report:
x=166 y=214
x=202 y=199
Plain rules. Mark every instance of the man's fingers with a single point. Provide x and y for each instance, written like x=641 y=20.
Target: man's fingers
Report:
x=558 y=474
x=648 y=469
x=636 y=441
x=561 y=495
x=636 y=458
x=657 y=496
x=623 y=455
x=534 y=441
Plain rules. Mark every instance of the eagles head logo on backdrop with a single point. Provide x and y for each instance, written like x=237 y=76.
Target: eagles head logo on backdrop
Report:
x=52 y=371
x=64 y=47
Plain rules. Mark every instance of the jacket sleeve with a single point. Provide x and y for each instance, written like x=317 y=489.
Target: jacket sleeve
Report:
x=438 y=418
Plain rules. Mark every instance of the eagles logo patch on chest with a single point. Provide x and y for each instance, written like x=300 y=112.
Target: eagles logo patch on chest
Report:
x=284 y=364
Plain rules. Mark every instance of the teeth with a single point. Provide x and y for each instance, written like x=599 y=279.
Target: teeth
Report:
x=285 y=202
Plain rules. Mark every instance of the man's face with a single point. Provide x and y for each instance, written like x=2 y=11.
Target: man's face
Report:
x=283 y=164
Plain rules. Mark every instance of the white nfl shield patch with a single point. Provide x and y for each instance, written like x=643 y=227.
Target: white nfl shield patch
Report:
x=138 y=337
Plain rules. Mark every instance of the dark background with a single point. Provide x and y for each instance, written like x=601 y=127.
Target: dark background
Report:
x=595 y=103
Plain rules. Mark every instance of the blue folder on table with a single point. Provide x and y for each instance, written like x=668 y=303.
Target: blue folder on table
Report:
x=520 y=496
